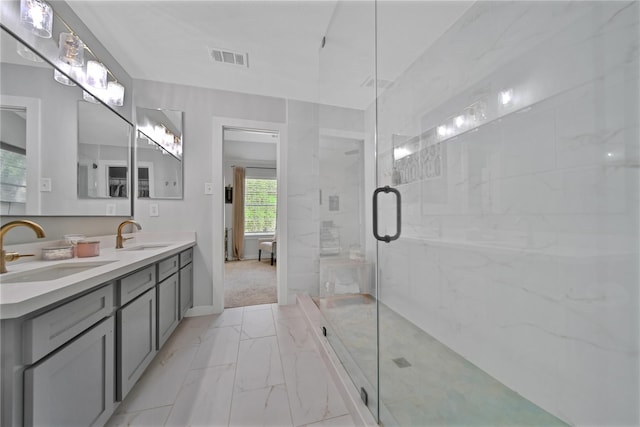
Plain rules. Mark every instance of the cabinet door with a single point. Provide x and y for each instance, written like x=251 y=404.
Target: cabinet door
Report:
x=74 y=386
x=168 y=317
x=186 y=289
x=136 y=325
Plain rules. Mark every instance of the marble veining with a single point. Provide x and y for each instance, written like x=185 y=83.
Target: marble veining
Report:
x=523 y=256
x=207 y=376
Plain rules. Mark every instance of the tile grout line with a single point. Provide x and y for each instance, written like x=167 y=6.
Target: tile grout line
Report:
x=284 y=377
x=235 y=369
x=184 y=379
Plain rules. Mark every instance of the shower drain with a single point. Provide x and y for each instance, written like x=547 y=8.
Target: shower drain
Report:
x=401 y=362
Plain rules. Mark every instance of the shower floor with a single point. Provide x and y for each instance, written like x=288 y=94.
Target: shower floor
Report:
x=422 y=382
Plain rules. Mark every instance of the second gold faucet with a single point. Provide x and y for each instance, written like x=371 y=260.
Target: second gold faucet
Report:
x=119 y=239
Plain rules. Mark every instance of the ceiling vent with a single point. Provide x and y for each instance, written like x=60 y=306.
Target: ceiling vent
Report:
x=230 y=57
x=382 y=84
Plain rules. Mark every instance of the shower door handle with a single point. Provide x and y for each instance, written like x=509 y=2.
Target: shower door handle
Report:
x=386 y=189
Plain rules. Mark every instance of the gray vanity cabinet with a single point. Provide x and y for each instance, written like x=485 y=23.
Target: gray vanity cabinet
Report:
x=186 y=281
x=168 y=298
x=136 y=328
x=74 y=386
x=71 y=363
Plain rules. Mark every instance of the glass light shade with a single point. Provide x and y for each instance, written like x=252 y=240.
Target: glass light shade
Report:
x=96 y=75
x=71 y=50
x=88 y=97
x=27 y=53
x=115 y=94
x=37 y=16
x=63 y=77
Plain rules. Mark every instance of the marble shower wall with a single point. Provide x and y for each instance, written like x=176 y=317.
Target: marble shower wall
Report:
x=514 y=141
x=306 y=122
x=303 y=211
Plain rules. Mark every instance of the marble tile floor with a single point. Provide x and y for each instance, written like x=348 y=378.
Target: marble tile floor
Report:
x=249 y=366
x=422 y=382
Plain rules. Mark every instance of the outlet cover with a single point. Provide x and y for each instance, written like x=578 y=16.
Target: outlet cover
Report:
x=153 y=210
x=208 y=188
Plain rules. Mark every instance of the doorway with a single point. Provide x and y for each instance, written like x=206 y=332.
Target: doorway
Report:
x=250 y=215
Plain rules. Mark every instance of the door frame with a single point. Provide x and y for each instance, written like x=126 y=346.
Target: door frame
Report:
x=219 y=123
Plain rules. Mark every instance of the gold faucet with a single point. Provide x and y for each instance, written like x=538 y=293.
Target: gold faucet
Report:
x=119 y=239
x=12 y=256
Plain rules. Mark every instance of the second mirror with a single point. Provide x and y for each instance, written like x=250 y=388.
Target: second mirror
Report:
x=159 y=172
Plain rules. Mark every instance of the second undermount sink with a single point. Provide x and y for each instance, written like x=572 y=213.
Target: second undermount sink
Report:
x=51 y=272
x=146 y=247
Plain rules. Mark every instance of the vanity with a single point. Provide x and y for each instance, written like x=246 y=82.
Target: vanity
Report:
x=77 y=334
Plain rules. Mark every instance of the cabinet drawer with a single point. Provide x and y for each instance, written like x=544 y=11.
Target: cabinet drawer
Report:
x=186 y=257
x=167 y=267
x=50 y=330
x=136 y=284
x=74 y=386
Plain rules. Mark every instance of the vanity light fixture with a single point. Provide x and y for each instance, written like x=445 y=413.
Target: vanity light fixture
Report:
x=37 y=16
x=71 y=50
x=96 y=75
x=27 y=53
x=115 y=94
x=459 y=121
x=88 y=97
x=63 y=77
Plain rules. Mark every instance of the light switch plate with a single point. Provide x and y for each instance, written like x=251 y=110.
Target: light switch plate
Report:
x=208 y=188
x=153 y=210
x=45 y=185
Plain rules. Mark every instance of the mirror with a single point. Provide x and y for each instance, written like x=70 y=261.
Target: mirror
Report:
x=50 y=168
x=103 y=154
x=159 y=154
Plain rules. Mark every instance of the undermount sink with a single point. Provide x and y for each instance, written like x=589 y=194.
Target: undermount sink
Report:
x=146 y=247
x=51 y=272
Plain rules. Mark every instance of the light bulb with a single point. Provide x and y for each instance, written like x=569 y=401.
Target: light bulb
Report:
x=37 y=16
x=71 y=50
x=96 y=75
x=506 y=96
x=115 y=94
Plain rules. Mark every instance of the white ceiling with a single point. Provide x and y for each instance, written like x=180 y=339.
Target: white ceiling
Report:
x=169 y=41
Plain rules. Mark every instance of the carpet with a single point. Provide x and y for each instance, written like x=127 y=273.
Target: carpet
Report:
x=249 y=282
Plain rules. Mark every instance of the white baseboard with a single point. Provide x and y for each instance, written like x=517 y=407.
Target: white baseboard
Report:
x=201 y=310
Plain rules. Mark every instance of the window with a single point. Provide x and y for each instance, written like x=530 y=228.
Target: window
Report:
x=13 y=165
x=260 y=205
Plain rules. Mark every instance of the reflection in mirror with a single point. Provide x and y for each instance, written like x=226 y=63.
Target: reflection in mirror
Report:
x=54 y=131
x=159 y=154
x=13 y=160
x=103 y=153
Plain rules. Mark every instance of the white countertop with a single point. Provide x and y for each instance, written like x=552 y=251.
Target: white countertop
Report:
x=20 y=298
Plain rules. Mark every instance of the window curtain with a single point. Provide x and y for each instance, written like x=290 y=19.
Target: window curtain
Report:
x=238 y=212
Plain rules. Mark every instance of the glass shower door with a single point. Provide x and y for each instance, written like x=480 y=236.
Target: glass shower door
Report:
x=346 y=162
x=510 y=132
